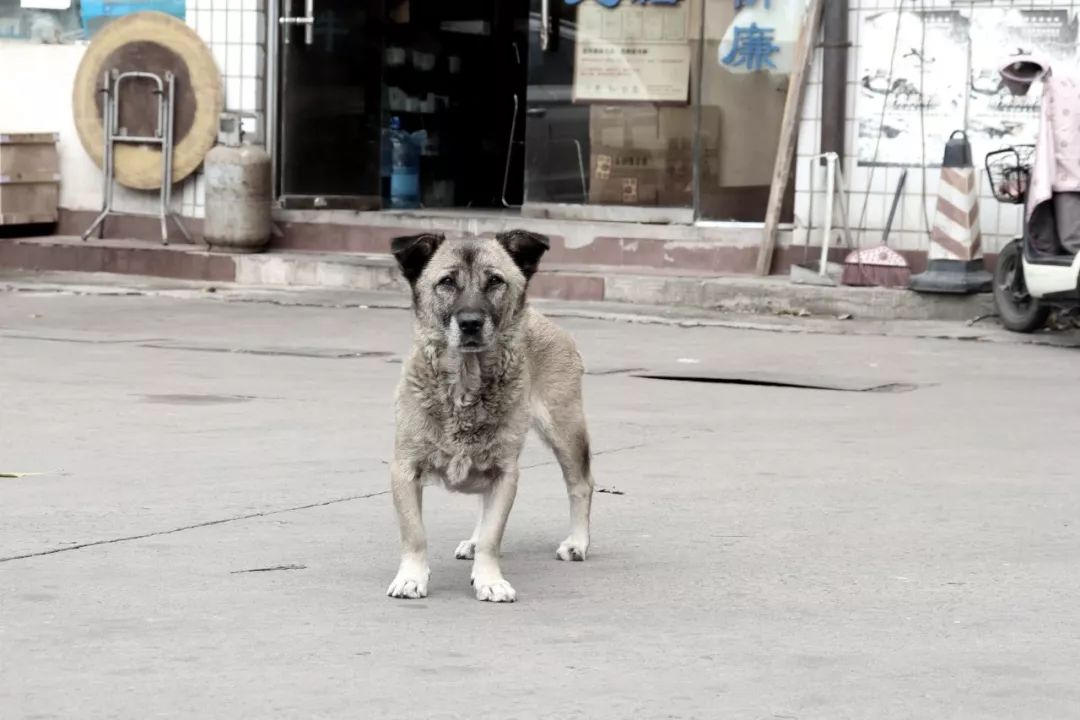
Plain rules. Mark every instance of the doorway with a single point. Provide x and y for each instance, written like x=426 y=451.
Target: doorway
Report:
x=452 y=74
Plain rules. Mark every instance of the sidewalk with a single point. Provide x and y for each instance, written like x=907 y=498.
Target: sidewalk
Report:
x=633 y=284
x=984 y=328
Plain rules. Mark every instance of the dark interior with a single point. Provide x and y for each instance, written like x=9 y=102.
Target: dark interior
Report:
x=477 y=51
x=455 y=70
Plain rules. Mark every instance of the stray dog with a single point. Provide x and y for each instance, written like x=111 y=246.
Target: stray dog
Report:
x=484 y=367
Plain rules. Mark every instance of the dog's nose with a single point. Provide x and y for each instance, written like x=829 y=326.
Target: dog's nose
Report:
x=470 y=323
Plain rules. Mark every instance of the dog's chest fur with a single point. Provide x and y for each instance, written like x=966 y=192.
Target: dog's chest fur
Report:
x=476 y=416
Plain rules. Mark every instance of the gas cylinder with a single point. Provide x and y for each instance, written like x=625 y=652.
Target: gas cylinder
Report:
x=238 y=192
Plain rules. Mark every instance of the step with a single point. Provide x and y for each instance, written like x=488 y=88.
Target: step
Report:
x=377 y=272
x=610 y=244
x=720 y=249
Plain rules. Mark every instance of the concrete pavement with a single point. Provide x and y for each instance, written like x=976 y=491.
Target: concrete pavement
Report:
x=777 y=552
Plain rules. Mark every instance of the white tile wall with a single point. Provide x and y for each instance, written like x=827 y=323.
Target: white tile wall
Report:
x=235 y=30
x=871 y=193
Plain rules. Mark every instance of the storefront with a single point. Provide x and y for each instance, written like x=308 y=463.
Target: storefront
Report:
x=647 y=127
x=658 y=111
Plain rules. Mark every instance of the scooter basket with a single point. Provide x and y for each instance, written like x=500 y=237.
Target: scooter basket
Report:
x=1009 y=171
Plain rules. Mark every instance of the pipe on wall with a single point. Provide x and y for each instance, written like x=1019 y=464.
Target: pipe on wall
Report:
x=834 y=78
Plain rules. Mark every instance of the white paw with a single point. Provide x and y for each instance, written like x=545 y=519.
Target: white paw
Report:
x=571 y=549
x=410 y=582
x=466 y=550
x=498 y=591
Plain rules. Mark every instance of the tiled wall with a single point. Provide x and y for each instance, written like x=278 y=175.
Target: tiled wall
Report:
x=235 y=30
x=871 y=189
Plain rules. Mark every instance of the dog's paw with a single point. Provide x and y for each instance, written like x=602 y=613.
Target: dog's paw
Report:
x=571 y=549
x=498 y=591
x=466 y=550
x=411 y=583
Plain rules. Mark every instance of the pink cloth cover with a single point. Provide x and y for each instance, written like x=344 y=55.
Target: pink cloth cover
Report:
x=1056 y=165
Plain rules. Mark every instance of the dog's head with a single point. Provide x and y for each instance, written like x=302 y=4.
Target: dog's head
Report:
x=469 y=290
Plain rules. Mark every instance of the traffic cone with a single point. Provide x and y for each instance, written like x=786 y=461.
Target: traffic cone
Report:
x=955 y=259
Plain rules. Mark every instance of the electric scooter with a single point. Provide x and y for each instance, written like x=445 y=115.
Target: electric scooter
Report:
x=1028 y=283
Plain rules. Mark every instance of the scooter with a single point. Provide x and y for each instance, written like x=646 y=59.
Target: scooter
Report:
x=1035 y=274
x=1028 y=284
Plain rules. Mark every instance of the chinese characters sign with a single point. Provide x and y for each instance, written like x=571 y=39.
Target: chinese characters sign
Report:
x=762 y=36
x=611 y=4
x=752 y=48
x=632 y=51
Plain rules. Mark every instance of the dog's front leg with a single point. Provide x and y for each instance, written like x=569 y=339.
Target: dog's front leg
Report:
x=487 y=577
x=412 y=576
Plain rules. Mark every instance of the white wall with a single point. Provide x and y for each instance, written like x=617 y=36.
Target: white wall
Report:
x=36 y=84
x=999 y=223
x=37 y=98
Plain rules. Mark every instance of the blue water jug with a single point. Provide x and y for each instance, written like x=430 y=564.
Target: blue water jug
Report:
x=385 y=161
x=404 y=168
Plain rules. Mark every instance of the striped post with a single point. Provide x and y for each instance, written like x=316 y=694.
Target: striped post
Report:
x=956 y=235
x=954 y=259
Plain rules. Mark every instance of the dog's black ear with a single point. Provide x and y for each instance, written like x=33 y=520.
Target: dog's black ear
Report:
x=526 y=248
x=413 y=252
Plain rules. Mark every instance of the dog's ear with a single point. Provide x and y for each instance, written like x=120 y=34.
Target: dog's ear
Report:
x=526 y=248
x=413 y=252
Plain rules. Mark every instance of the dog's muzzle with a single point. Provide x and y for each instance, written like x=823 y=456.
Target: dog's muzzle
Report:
x=470 y=324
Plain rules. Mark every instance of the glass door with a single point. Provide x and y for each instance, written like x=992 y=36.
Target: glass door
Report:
x=329 y=115
x=610 y=130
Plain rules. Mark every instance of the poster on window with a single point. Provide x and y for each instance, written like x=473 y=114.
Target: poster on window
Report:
x=996 y=118
x=912 y=80
x=632 y=52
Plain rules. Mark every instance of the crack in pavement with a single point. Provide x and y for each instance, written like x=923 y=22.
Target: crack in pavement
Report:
x=612 y=451
x=170 y=344
x=82 y=341
x=208 y=523
x=267 y=513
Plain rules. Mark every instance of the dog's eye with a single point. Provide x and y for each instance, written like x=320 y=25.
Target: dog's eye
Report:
x=447 y=282
x=495 y=281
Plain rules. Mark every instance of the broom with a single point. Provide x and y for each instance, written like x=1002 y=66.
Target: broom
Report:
x=879 y=266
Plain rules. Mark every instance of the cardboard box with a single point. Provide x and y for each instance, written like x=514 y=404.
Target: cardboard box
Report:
x=644 y=155
x=29 y=178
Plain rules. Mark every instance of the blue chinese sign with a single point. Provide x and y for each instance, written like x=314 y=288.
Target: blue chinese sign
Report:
x=95 y=13
x=752 y=48
x=611 y=4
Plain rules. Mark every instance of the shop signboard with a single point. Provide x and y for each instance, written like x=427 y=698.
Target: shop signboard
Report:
x=632 y=51
x=762 y=36
x=96 y=13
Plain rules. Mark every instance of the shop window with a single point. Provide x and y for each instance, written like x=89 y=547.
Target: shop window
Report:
x=749 y=48
x=610 y=122
x=625 y=97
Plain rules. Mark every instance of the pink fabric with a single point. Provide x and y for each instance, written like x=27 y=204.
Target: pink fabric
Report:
x=1056 y=165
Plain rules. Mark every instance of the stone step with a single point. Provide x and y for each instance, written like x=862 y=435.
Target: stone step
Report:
x=376 y=272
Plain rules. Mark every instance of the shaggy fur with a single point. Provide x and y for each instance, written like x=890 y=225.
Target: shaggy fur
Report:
x=484 y=367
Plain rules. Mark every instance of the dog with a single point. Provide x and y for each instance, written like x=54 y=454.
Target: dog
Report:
x=484 y=367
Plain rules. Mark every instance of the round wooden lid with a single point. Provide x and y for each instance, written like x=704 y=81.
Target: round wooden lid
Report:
x=156 y=43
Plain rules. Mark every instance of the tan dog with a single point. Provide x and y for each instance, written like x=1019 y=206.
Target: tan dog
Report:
x=484 y=367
